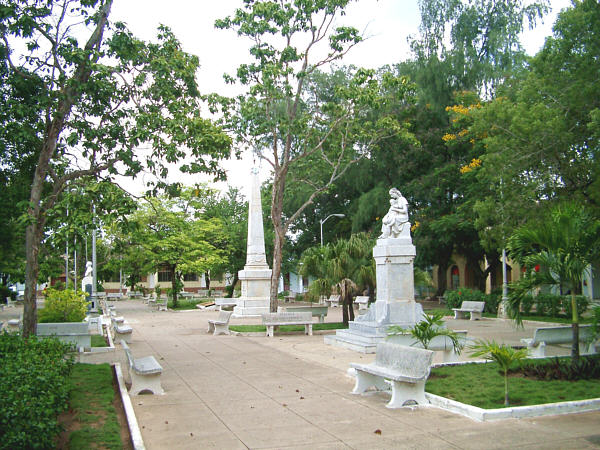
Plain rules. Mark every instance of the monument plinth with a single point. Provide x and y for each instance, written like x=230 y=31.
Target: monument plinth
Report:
x=256 y=276
x=395 y=303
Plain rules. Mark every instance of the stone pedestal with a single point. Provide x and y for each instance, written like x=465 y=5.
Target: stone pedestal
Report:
x=256 y=276
x=86 y=286
x=395 y=304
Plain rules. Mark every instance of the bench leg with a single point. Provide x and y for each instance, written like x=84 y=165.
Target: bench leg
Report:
x=270 y=330
x=539 y=350
x=450 y=355
x=221 y=329
x=475 y=315
x=140 y=383
x=308 y=329
x=321 y=318
x=460 y=315
x=122 y=337
x=403 y=392
x=365 y=380
x=211 y=327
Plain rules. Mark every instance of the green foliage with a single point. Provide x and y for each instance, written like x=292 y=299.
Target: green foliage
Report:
x=63 y=306
x=454 y=298
x=586 y=368
x=427 y=329
x=503 y=355
x=548 y=304
x=583 y=304
x=6 y=292
x=492 y=301
x=527 y=302
x=34 y=391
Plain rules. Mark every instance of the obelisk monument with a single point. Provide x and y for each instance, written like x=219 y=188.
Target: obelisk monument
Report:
x=395 y=304
x=256 y=276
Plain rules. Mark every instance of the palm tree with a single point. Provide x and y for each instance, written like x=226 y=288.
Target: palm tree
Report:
x=427 y=329
x=346 y=266
x=562 y=248
x=504 y=355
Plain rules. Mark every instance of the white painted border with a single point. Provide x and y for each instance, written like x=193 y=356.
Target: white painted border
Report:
x=134 y=429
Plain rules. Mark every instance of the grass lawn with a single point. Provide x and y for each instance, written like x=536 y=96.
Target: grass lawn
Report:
x=259 y=328
x=98 y=341
x=94 y=418
x=561 y=319
x=482 y=385
x=183 y=304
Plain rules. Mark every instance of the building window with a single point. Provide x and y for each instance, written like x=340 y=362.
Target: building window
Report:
x=190 y=277
x=164 y=275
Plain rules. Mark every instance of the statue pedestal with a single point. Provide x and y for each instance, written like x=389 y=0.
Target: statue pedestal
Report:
x=395 y=304
x=256 y=290
x=86 y=286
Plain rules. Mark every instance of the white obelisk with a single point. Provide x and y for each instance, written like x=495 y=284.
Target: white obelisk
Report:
x=256 y=276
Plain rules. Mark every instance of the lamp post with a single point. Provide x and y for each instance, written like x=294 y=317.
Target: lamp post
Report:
x=325 y=220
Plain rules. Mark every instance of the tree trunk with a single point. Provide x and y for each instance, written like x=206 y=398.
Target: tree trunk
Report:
x=575 y=345
x=276 y=272
x=230 y=289
x=276 y=215
x=174 y=286
x=33 y=239
x=442 y=284
x=207 y=279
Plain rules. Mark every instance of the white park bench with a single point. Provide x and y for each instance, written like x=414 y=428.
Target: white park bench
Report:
x=220 y=325
x=161 y=304
x=9 y=303
x=225 y=303
x=438 y=343
x=13 y=325
x=475 y=309
x=362 y=301
x=274 y=320
x=333 y=300
x=114 y=296
x=121 y=332
x=76 y=333
x=144 y=373
x=405 y=368
x=316 y=311
x=559 y=335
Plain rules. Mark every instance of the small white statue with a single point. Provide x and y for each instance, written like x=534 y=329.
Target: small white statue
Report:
x=394 y=221
x=88 y=269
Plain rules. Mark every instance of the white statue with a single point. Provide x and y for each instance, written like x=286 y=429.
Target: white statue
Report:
x=88 y=269
x=394 y=221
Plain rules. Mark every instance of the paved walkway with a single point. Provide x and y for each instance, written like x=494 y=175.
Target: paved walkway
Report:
x=292 y=392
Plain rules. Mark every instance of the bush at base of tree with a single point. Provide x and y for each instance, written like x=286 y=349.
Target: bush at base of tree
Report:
x=34 y=390
x=63 y=306
x=456 y=297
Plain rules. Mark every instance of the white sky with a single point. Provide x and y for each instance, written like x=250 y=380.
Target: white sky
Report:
x=388 y=23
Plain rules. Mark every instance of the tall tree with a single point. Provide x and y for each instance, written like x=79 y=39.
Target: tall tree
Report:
x=98 y=100
x=282 y=116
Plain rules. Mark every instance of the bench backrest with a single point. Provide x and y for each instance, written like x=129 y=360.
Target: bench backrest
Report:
x=225 y=301
x=477 y=306
x=561 y=335
x=224 y=316
x=334 y=298
x=287 y=317
x=362 y=299
x=62 y=328
x=318 y=310
x=410 y=361
x=128 y=354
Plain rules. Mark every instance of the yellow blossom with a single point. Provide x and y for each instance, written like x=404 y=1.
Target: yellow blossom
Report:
x=463 y=132
x=415 y=226
x=448 y=137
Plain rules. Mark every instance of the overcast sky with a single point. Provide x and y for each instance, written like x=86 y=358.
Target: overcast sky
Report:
x=387 y=23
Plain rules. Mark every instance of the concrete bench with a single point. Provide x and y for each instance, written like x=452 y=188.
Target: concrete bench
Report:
x=316 y=311
x=274 y=320
x=438 y=343
x=363 y=302
x=76 y=333
x=559 y=335
x=144 y=373
x=9 y=303
x=161 y=304
x=121 y=332
x=405 y=368
x=13 y=325
x=221 y=324
x=225 y=303
x=114 y=296
x=333 y=300
x=475 y=309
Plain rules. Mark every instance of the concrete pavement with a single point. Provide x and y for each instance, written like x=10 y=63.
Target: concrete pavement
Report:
x=292 y=392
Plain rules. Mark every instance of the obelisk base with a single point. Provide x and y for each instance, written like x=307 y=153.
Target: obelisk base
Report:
x=256 y=292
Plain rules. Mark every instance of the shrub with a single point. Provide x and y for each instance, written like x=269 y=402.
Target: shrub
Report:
x=527 y=303
x=34 y=390
x=63 y=306
x=548 y=304
x=587 y=367
x=492 y=301
x=456 y=297
x=6 y=292
x=582 y=304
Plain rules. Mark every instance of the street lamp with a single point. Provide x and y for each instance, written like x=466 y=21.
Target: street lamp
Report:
x=325 y=220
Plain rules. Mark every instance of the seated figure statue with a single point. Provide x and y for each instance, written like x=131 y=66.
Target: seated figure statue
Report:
x=397 y=216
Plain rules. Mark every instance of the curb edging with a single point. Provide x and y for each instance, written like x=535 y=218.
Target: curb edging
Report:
x=134 y=429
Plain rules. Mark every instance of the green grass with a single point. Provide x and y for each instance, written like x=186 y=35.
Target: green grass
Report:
x=482 y=385
x=561 y=319
x=183 y=304
x=262 y=328
x=98 y=341
x=91 y=400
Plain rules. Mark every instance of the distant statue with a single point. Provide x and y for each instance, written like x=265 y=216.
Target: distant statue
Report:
x=394 y=221
x=88 y=269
